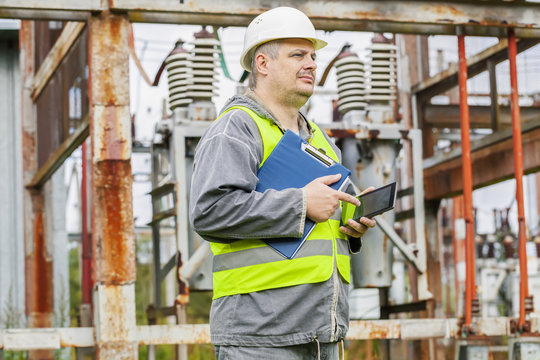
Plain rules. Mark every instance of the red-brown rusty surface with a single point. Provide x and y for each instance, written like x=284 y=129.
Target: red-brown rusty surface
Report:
x=41 y=268
x=113 y=222
x=183 y=286
x=518 y=166
x=86 y=253
x=38 y=264
x=470 y=281
x=342 y=133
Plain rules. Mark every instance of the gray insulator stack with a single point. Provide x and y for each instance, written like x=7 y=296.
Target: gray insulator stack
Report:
x=205 y=66
x=178 y=65
x=382 y=76
x=350 y=83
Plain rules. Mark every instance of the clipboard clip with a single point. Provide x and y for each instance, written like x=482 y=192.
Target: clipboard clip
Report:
x=317 y=154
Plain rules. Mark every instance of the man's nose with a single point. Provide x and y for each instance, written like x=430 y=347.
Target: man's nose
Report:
x=310 y=64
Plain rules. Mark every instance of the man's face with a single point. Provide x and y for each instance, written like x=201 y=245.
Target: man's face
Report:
x=293 y=72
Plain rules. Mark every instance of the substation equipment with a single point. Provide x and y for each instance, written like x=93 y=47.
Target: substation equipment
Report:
x=367 y=130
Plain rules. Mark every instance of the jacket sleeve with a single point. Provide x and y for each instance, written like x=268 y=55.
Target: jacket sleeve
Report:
x=224 y=205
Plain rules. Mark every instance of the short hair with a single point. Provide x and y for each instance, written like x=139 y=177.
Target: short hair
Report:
x=270 y=48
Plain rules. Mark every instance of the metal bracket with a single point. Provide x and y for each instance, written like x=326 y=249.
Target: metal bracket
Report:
x=368 y=130
x=408 y=250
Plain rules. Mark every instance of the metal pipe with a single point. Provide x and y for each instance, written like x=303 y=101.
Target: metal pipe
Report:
x=419 y=210
x=194 y=262
x=518 y=166
x=470 y=281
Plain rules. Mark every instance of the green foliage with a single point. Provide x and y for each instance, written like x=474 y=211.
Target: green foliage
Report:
x=75 y=293
x=11 y=317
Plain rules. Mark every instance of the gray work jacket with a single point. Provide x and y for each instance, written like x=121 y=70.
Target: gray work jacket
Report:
x=224 y=207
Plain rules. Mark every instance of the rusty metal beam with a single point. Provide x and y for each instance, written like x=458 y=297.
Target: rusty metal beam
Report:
x=476 y=64
x=492 y=161
x=378 y=16
x=60 y=155
x=112 y=210
x=405 y=329
x=54 y=58
x=489 y=18
x=74 y=10
x=447 y=116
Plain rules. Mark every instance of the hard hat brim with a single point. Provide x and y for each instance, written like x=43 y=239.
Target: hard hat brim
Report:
x=247 y=55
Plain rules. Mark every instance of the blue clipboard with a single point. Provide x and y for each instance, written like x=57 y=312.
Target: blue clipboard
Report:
x=293 y=164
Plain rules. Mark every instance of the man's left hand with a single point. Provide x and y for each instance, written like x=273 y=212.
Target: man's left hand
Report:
x=357 y=229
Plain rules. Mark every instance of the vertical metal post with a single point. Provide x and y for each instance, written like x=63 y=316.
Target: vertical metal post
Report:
x=518 y=166
x=112 y=210
x=419 y=211
x=470 y=281
x=86 y=241
x=38 y=260
x=182 y=224
x=494 y=96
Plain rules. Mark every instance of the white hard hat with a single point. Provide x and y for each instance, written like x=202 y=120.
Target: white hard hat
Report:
x=279 y=23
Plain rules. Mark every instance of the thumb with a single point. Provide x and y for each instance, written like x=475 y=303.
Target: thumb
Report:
x=329 y=179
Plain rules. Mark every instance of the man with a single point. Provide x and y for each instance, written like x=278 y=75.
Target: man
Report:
x=266 y=306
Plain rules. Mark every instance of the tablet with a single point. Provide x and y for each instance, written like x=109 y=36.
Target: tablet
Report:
x=372 y=203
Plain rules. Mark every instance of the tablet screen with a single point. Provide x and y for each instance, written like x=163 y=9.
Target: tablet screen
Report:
x=378 y=200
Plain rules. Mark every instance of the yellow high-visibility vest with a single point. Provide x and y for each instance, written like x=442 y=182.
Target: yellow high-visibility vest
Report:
x=250 y=265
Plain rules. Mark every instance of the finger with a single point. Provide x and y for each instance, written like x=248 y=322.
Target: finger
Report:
x=350 y=232
x=359 y=227
x=329 y=179
x=368 y=222
x=369 y=189
x=348 y=198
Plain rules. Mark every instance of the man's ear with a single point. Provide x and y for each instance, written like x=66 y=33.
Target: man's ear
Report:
x=261 y=63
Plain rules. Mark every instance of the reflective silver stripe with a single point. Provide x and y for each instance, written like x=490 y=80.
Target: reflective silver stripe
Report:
x=266 y=254
x=342 y=246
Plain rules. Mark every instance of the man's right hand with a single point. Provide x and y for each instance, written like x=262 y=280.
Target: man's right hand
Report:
x=322 y=200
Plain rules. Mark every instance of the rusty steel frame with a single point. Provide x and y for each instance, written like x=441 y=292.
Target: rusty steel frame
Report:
x=491 y=157
x=57 y=158
x=115 y=331
x=448 y=116
x=404 y=329
x=66 y=40
x=418 y=17
x=86 y=241
x=39 y=291
x=476 y=64
x=112 y=211
x=470 y=277
x=73 y=10
x=518 y=166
